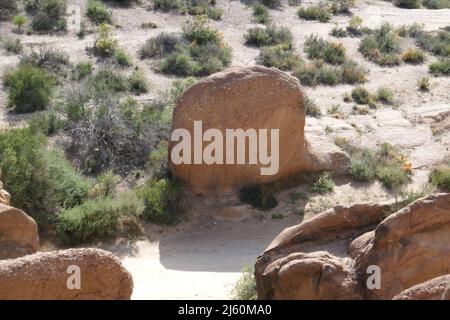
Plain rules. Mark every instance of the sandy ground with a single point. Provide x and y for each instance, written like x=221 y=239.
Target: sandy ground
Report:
x=202 y=258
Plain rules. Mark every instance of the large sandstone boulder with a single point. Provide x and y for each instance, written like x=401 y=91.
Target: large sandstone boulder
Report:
x=44 y=276
x=18 y=233
x=410 y=246
x=331 y=223
x=317 y=275
x=434 y=289
x=248 y=98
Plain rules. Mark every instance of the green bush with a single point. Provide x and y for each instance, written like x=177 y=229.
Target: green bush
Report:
x=279 y=56
x=268 y=36
x=324 y=183
x=42 y=181
x=105 y=185
x=311 y=108
x=245 y=287
x=385 y=95
x=353 y=73
x=318 y=48
x=98 y=12
x=163 y=200
x=29 y=88
x=19 y=20
x=122 y=58
x=424 y=84
x=441 y=177
x=180 y=64
x=384 y=165
x=409 y=4
x=137 y=82
x=54 y=61
x=262 y=197
x=214 y=13
x=382 y=46
x=108 y=79
x=312 y=74
x=362 y=96
x=104 y=44
x=438 y=44
x=272 y=4
x=338 y=32
x=413 y=56
x=321 y=12
x=82 y=70
x=260 y=14
x=342 y=6
x=46 y=122
x=442 y=66
x=50 y=16
x=98 y=219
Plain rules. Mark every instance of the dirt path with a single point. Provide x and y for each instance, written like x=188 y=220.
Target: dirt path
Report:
x=200 y=263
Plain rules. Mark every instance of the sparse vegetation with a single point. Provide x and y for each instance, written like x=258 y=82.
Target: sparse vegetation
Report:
x=321 y=12
x=11 y=45
x=382 y=47
x=324 y=183
x=311 y=108
x=245 y=287
x=413 y=56
x=269 y=35
x=385 y=95
x=49 y=15
x=98 y=12
x=424 y=84
x=260 y=13
x=330 y=52
x=442 y=66
x=279 y=56
x=440 y=177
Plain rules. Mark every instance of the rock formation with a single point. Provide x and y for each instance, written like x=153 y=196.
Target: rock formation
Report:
x=410 y=247
x=45 y=276
x=18 y=233
x=434 y=289
x=4 y=195
x=247 y=98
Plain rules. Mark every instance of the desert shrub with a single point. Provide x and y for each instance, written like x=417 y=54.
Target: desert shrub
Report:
x=52 y=60
x=69 y=187
x=29 y=88
x=105 y=45
x=82 y=70
x=279 y=56
x=180 y=63
x=342 y=6
x=262 y=197
x=19 y=20
x=412 y=30
x=338 y=32
x=260 y=14
x=41 y=180
x=98 y=218
x=105 y=185
x=12 y=45
x=436 y=4
x=424 y=84
x=98 y=12
x=385 y=95
x=167 y=5
x=163 y=200
x=409 y=4
x=320 y=12
x=355 y=27
x=382 y=46
x=122 y=57
x=318 y=48
x=149 y=25
x=383 y=164
x=268 y=36
x=272 y=4
x=245 y=287
x=312 y=74
x=7 y=9
x=441 y=177
x=137 y=82
x=46 y=123
x=311 y=108
x=324 y=183
x=108 y=79
x=362 y=96
x=413 y=56
x=160 y=46
x=438 y=44
x=353 y=73
x=214 y=13
x=442 y=66
x=49 y=16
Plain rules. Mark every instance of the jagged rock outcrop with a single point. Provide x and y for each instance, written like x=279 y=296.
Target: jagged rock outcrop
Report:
x=410 y=246
x=18 y=233
x=248 y=98
x=434 y=289
x=45 y=276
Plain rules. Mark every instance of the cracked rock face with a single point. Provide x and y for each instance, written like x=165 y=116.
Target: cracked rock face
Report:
x=45 y=276
x=410 y=247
